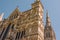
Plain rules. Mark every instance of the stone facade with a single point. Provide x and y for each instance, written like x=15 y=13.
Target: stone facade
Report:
x=27 y=25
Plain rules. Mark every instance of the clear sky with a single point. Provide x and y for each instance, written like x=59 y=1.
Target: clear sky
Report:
x=53 y=7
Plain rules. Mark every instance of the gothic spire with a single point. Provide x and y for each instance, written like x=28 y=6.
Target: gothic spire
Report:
x=48 y=22
x=49 y=33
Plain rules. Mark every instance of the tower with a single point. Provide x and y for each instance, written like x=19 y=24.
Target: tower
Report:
x=37 y=26
x=48 y=30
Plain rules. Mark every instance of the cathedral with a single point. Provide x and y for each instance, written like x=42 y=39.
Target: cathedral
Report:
x=27 y=25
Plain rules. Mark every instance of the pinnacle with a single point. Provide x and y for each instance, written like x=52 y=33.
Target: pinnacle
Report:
x=37 y=0
x=48 y=19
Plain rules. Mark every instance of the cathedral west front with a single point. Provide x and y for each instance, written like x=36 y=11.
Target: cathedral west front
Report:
x=27 y=25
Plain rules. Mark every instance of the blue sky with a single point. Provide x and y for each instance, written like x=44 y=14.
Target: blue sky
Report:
x=53 y=7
